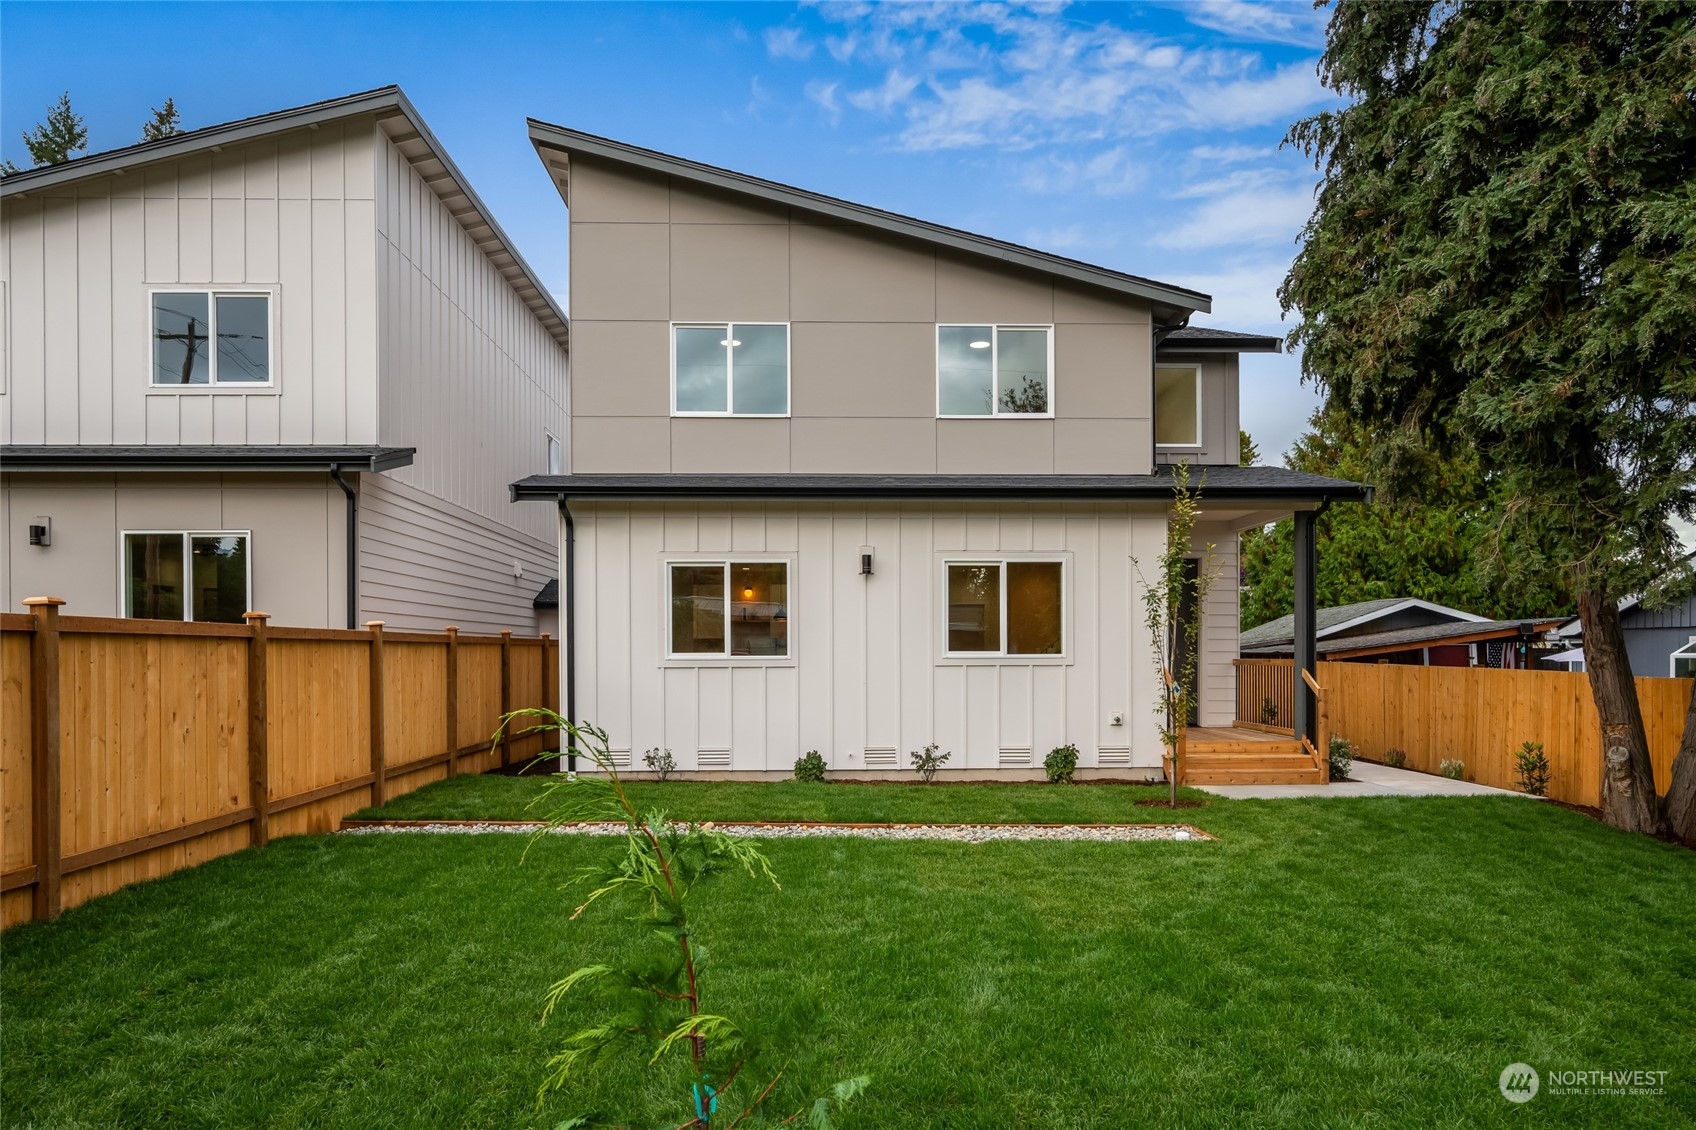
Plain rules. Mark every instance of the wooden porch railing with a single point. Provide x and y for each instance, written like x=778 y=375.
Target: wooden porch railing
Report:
x=1322 y=754
x=1266 y=694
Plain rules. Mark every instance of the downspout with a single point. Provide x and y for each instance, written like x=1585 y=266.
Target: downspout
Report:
x=352 y=545
x=570 y=610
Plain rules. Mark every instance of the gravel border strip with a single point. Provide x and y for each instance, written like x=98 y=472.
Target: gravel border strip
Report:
x=961 y=833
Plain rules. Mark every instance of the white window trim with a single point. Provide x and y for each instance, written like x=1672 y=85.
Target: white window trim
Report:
x=188 y=591
x=730 y=372
x=1688 y=651
x=213 y=293
x=1199 y=429
x=1004 y=656
x=995 y=412
x=549 y=442
x=725 y=658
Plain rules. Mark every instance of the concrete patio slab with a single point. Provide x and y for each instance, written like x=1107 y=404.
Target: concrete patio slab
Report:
x=1367 y=779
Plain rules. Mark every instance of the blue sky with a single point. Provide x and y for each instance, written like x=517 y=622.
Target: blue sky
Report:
x=1143 y=137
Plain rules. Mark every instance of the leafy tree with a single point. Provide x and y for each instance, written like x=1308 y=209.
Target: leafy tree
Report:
x=1435 y=539
x=163 y=123
x=1502 y=258
x=56 y=140
x=1248 y=455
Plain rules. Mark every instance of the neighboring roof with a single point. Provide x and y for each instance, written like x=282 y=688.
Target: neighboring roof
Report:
x=1404 y=639
x=1206 y=339
x=406 y=129
x=548 y=596
x=546 y=137
x=163 y=457
x=1215 y=484
x=1330 y=621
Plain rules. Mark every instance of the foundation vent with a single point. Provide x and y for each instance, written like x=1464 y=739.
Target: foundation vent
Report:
x=1014 y=758
x=1114 y=757
x=620 y=758
x=712 y=759
x=882 y=757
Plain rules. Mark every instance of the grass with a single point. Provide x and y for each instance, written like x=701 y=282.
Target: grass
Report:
x=1324 y=963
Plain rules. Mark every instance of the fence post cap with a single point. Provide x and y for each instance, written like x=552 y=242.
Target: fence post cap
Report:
x=546 y=636
x=506 y=631
x=255 y=615
x=374 y=625
x=452 y=629
x=43 y=601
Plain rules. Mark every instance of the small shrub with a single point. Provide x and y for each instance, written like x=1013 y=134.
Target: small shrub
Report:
x=1396 y=759
x=1342 y=753
x=661 y=762
x=1454 y=770
x=1060 y=764
x=1268 y=713
x=928 y=762
x=809 y=766
x=1531 y=766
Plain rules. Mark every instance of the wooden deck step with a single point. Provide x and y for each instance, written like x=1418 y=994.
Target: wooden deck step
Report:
x=1308 y=776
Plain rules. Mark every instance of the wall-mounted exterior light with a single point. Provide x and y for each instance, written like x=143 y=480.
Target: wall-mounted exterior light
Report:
x=865 y=561
x=41 y=531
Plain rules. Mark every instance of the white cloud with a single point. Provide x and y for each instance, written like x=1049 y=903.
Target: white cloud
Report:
x=824 y=94
x=788 y=43
x=1231 y=154
x=1239 y=218
x=1072 y=237
x=1280 y=21
x=891 y=94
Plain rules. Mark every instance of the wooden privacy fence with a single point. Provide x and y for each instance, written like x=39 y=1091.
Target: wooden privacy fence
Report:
x=1479 y=715
x=132 y=748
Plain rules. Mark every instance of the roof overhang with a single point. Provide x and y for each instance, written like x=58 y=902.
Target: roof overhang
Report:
x=1268 y=486
x=554 y=145
x=1389 y=643
x=59 y=459
x=399 y=119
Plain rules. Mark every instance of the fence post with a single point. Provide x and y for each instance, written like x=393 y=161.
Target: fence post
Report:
x=44 y=752
x=506 y=696
x=453 y=698
x=258 y=731
x=376 y=627
x=548 y=691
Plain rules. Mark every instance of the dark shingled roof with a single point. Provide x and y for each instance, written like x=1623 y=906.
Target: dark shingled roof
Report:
x=1426 y=635
x=1283 y=629
x=548 y=597
x=201 y=457
x=1205 y=339
x=1232 y=484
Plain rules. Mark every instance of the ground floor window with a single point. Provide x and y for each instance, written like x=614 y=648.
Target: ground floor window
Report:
x=184 y=575
x=1005 y=608
x=729 y=608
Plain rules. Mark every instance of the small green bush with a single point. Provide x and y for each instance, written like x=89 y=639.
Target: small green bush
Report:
x=1531 y=766
x=929 y=761
x=1396 y=759
x=1342 y=753
x=661 y=762
x=1060 y=764
x=1268 y=712
x=809 y=766
x=1454 y=769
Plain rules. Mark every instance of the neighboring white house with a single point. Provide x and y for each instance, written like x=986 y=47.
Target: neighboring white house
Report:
x=847 y=481
x=236 y=355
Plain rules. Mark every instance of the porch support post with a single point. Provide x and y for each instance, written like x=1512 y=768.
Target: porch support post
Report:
x=1307 y=568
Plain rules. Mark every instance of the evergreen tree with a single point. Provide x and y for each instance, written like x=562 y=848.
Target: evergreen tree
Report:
x=1502 y=259
x=163 y=123
x=56 y=140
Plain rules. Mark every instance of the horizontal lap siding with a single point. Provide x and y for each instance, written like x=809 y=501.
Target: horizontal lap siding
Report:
x=867 y=668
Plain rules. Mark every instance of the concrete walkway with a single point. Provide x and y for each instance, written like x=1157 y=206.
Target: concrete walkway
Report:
x=1368 y=779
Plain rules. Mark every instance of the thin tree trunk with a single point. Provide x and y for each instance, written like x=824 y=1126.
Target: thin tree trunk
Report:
x=1680 y=808
x=1628 y=776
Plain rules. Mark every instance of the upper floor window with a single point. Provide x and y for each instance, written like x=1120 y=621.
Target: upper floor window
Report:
x=187 y=323
x=556 y=455
x=1005 y=608
x=994 y=371
x=186 y=576
x=1177 y=406
x=730 y=369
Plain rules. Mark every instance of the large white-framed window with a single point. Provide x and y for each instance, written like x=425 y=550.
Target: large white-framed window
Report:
x=212 y=337
x=1177 y=406
x=730 y=368
x=1683 y=661
x=994 y=370
x=1004 y=607
x=203 y=575
x=727 y=609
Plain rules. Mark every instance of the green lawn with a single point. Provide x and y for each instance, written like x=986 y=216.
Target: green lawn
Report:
x=1323 y=963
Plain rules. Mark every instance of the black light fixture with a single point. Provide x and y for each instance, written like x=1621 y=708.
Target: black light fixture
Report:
x=41 y=531
x=865 y=561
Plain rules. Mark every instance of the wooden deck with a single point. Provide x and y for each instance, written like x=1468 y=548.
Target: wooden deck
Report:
x=1241 y=755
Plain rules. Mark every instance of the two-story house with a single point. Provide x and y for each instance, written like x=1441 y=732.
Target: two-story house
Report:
x=287 y=363
x=844 y=480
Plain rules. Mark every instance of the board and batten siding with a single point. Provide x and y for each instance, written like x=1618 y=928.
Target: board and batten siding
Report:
x=294 y=215
x=866 y=669
x=473 y=380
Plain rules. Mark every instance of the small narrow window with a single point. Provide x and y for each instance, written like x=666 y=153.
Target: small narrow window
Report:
x=186 y=576
x=730 y=369
x=205 y=338
x=1684 y=661
x=994 y=371
x=1177 y=406
x=730 y=609
x=556 y=456
x=1006 y=608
